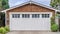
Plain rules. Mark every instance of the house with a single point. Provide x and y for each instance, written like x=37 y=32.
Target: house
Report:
x=29 y=16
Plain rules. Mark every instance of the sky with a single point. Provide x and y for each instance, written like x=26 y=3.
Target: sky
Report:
x=17 y=2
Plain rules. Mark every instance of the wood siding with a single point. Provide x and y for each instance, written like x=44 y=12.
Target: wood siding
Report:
x=28 y=8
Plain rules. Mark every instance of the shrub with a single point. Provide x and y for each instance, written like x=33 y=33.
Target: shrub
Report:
x=52 y=20
x=7 y=28
x=2 y=30
x=54 y=27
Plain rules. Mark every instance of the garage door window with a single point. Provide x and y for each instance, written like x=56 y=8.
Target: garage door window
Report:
x=45 y=15
x=35 y=15
x=15 y=15
x=25 y=15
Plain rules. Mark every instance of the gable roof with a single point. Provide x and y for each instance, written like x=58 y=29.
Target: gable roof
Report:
x=29 y=2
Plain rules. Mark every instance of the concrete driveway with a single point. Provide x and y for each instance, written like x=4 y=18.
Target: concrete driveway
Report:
x=33 y=33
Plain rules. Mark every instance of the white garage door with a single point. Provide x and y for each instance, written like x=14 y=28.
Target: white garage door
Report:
x=30 y=21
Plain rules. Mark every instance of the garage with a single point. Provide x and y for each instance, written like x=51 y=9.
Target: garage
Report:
x=30 y=20
x=29 y=16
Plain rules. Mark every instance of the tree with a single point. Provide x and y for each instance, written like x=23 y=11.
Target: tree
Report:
x=2 y=19
x=55 y=4
x=0 y=4
x=5 y=4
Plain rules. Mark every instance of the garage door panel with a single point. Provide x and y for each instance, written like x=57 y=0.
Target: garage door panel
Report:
x=29 y=23
x=32 y=24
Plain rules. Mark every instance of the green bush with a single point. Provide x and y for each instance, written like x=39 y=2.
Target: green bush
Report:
x=7 y=28
x=54 y=27
x=2 y=30
x=52 y=20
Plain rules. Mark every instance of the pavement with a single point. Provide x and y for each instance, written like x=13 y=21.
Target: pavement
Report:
x=17 y=32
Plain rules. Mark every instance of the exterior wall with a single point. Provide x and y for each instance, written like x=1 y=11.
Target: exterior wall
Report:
x=28 y=8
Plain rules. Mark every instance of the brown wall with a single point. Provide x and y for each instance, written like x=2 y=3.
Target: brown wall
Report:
x=29 y=8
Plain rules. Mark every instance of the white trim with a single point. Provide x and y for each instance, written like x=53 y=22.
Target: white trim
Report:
x=31 y=2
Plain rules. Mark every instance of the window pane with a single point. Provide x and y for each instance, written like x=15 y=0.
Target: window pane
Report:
x=48 y=15
x=35 y=15
x=15 y=15
x=28 y=15
x=25 y=15
x=12 y=15
x=18 y=15
x=45 y=15
x=38 y=15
